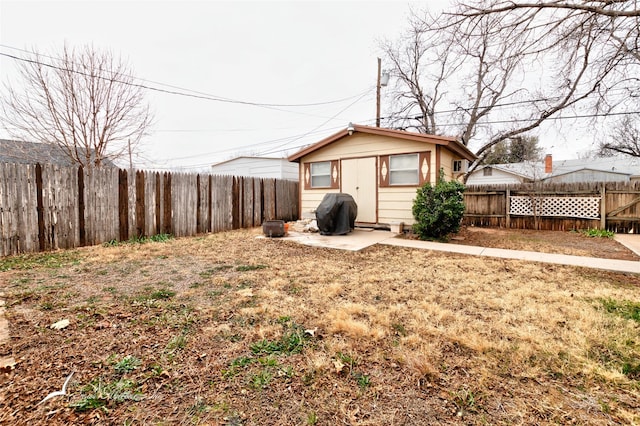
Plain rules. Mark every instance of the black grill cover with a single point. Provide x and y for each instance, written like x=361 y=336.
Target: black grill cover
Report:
x=336 y=214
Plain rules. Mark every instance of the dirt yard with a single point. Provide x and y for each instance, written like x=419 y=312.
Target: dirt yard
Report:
x=572 y=243
x=231 y=329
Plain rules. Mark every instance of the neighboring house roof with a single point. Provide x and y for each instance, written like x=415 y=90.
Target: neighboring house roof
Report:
x=22 y=152
x=526 y=170
x=621 y=165
x=451 y=143
x=624 y=166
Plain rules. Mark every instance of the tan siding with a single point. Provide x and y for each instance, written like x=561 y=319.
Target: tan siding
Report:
x=311 y=198
x=446 y=162
x=394 y=205
x=362 y=145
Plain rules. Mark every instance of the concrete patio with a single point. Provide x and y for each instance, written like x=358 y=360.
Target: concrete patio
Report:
x=361 y=238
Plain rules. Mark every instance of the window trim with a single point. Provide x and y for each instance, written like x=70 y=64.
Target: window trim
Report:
x=423 y=170
x=415 y=169
x=334 y=175
x=312 y=175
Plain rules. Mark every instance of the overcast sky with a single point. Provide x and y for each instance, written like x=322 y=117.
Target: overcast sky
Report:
x=285 y=53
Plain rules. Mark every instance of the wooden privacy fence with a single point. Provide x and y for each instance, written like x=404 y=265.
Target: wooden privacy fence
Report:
x=568 y=206
x=45 y=207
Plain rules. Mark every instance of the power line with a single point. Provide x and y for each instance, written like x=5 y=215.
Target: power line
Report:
x=193 y=94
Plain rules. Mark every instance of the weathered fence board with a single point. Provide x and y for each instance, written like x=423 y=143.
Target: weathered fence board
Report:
x=101 y=197
x=221 y=203
x=269 y=198
x=489 y=205
x=49 y=207
x=60 y=224
x=18 y=209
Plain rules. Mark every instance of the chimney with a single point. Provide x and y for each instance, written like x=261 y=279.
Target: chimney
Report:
x=548 y=163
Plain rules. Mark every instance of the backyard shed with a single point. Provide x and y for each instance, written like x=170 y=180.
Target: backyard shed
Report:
x=258 y=167
x=380 y=168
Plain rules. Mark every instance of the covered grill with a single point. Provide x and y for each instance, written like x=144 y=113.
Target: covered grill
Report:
x=336 y=214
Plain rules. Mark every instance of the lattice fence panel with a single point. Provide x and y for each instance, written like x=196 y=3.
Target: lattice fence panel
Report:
x=580 y=207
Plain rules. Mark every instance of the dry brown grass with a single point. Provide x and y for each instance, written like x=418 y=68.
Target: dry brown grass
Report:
x=400 y=336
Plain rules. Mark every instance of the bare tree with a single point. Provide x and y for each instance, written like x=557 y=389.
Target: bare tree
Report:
x=419 y=55
x=505 y=74
x=84 y=101
x=515 y=150
x=623 y=139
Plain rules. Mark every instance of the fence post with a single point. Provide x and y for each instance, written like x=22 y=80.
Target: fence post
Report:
x=123 y=204
x=603 y=207
x=199 y=229
x=81 y=222
x=167 y=227
x=40 y=207
x=507 y=204
x=140 y=204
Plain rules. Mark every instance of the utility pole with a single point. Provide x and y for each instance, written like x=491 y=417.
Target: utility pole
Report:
x=378 y=94
x=383 y=79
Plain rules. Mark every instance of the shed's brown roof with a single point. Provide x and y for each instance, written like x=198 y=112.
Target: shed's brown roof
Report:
x=451 y=143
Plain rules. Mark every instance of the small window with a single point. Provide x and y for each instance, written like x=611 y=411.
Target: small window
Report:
x=487 y=171
x=460 y=166
x=321 y=174
x=403 y=169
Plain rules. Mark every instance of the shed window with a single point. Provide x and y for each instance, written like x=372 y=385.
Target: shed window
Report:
x=321 y=174
x=488 y=171
x=403 y=169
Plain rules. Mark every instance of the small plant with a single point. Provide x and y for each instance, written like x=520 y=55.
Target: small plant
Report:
x=399 y=329
x=200 y=406
x=362 y=380
x=465 y=401
x=625 y=309
x=139 y=239
x=162 y=294
x=261 y=380
x=438 y=209
x=46 y=306
x=312 y=418
x=127 y=364
x=236 y=365
x=268 y=361
x=347 y=359
x=161 y=238
x=177 y=343
x=44 y=260
x=98 y=394
x=631 y=370
x=292 y=341
x=111 y=243
x=245 y=268
x=597 y=233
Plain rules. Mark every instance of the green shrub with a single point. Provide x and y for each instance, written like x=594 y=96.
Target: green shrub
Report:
x=438 y=209
x=597 y=233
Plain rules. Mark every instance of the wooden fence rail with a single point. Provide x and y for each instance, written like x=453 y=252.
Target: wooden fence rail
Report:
x=46 y=207
x=618 y=210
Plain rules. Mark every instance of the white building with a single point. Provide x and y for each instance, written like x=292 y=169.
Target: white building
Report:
x=260 y=167
x=608 y=169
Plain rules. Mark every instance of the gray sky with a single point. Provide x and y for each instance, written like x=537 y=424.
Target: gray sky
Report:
x=265 y=52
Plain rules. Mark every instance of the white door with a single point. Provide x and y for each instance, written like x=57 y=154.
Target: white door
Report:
x=359 y=181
